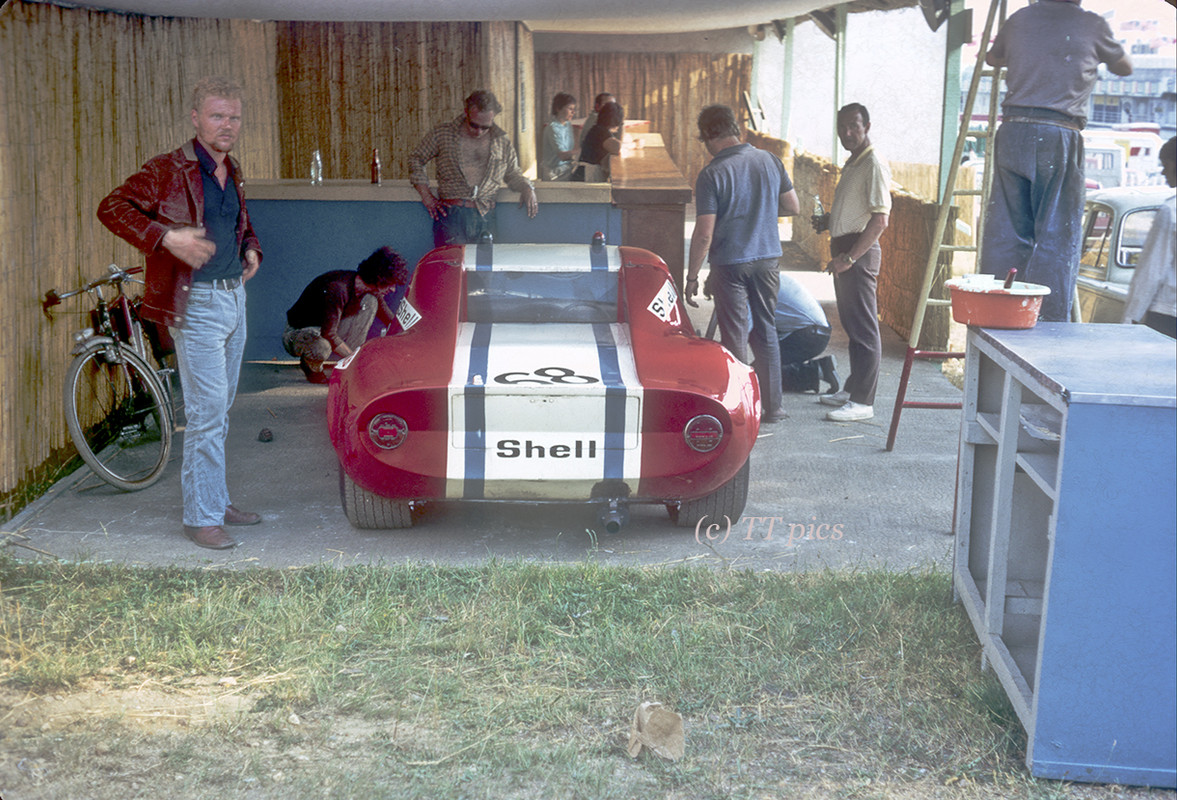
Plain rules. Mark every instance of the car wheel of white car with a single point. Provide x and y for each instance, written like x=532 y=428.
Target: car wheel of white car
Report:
x=371 y=511
x=726 y=501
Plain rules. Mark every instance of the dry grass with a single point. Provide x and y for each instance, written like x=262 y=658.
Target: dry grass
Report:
x=502 y=681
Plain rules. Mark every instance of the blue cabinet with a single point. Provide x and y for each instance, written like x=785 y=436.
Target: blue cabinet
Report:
x=1065 y=534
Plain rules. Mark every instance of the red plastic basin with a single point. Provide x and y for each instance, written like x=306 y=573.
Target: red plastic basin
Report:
x=983 y=301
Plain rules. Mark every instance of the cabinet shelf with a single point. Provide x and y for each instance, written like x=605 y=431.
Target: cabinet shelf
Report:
x=1058 y=456
x=1040 y=461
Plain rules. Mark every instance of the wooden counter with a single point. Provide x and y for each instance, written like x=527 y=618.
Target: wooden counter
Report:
x=652 y=195
x=647 y=188
x=306 y=230
x=401 y=191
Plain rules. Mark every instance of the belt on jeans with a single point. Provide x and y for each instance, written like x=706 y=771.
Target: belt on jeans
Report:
x=227 y=284
x=458 y=201
x=1058 y=123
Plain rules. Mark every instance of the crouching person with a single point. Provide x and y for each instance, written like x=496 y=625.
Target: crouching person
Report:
x=804 y=332
x=337 y=309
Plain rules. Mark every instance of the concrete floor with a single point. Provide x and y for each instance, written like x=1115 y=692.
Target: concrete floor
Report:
x=879 y=509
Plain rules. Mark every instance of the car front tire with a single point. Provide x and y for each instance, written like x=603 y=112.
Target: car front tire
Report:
x=726 y=501
x=371 y=511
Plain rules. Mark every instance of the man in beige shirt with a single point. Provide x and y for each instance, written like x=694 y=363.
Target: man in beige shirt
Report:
x=862 y=207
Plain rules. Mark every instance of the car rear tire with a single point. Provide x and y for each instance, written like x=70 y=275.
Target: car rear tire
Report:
x=726 y=501
x=371 y=511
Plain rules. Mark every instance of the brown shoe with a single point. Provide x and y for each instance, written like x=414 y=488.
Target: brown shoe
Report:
x=235 y=516
x=211 y=536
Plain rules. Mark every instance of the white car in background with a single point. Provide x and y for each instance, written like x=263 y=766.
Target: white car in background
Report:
x=1115 y=225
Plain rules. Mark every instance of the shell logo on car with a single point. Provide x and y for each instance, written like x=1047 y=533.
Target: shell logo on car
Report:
x=577 y=384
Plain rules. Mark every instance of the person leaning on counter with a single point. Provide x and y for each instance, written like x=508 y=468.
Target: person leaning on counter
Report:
x=475 y=158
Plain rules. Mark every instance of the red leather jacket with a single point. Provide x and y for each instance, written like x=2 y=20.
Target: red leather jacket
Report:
x=167 y=192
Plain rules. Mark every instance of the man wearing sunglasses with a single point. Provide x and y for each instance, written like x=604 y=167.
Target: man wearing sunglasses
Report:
x=474 y=160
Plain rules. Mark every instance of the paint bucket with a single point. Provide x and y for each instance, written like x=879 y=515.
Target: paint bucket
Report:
x=985 y=301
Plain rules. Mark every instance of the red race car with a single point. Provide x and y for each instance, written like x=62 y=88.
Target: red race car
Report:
x=543 y=373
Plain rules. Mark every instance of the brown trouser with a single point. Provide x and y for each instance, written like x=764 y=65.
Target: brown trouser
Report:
x=858 y=311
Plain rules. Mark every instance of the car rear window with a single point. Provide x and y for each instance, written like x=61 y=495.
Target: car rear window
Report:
x=538 y=297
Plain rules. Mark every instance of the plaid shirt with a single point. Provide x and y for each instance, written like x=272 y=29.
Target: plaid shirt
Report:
x=442 y=143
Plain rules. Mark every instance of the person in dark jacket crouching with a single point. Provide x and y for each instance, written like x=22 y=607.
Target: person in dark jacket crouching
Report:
x=336 y=310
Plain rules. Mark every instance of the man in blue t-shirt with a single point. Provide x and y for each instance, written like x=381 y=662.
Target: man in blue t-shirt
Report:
x=738 y=197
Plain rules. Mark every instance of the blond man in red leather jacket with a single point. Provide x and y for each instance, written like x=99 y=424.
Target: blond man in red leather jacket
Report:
x=185 y=211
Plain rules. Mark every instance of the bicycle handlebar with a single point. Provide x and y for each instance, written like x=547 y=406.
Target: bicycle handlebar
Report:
x=116 y=276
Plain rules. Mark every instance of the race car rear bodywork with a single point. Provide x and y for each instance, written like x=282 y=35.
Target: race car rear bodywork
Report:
x=545 y=373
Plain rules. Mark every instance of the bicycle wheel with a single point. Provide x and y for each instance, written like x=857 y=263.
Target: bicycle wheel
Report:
x=118 y=417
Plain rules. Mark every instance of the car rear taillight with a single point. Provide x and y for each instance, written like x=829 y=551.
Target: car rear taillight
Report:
x=703 y=433
x=388 y=431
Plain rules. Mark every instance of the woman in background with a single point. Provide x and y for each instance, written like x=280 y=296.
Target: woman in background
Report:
x=600 y=143
x=559 y=142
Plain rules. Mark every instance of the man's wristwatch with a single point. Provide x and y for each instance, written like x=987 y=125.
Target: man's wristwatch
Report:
x=849 y=258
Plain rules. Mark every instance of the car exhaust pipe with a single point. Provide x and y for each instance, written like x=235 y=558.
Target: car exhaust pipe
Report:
x=613 y=516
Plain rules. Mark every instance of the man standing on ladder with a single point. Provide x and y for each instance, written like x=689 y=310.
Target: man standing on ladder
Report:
x=1052 y=51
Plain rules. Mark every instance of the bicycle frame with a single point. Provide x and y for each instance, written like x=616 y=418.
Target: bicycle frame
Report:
x=110 y=357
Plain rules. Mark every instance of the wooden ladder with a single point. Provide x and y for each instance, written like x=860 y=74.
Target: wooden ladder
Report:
x=939 y=248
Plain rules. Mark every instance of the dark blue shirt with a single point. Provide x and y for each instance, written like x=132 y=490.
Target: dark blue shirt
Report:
x=742 y=186
x=222 y=208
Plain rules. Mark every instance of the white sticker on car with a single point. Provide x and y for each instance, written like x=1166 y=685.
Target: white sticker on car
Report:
x=664 y=306
x=406 y=315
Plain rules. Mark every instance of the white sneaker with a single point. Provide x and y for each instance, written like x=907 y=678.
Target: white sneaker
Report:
x=835 y=399
x=851 y=412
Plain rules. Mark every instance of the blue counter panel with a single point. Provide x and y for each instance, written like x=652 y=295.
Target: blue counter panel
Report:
x=305 y=238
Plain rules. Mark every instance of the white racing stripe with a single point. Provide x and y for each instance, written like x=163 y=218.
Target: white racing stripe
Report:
x=542 y=411
x=541 y=258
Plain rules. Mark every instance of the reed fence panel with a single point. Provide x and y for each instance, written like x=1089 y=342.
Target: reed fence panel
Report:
x=85 y=98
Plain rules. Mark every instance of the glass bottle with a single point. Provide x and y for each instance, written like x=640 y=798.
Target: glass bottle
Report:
x=376 y=177
x=316 y=169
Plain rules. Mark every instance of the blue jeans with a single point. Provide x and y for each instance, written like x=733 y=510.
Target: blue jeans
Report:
x=462 y=225
x=1034 y=219
x=209 y=350
x=744 y=291
x=799 y=372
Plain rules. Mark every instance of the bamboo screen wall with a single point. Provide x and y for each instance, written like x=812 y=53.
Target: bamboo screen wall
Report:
x=668 y=89
x=346 y=88
x=85 y=98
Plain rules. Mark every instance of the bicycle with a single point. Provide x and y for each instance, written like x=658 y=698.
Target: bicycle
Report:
x=118 y=407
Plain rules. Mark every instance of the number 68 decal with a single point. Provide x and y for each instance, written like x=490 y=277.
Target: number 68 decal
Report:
x=545 y=375
x=664 y=305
